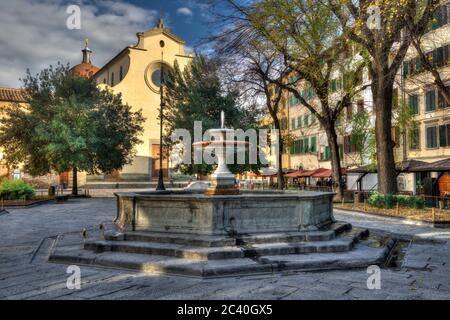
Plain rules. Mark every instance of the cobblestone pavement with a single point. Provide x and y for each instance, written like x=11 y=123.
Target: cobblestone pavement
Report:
x=27 y=236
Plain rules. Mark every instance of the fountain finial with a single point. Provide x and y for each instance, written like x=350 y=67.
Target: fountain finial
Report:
x=222 y=119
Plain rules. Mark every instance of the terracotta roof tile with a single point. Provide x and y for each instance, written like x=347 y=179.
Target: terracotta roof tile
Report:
x=13 y=95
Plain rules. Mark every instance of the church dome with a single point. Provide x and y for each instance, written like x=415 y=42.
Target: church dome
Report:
x=85 y=68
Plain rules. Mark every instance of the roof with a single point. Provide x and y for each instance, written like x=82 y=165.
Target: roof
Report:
x=13 y=95
x=84 y=70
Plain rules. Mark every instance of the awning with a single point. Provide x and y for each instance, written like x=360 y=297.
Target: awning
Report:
x=437 y=166
x=409 y=166
x=327 y=173
x=307 y=173
x=294 y=174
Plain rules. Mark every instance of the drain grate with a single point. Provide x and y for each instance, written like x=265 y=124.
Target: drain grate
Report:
x=397 y=254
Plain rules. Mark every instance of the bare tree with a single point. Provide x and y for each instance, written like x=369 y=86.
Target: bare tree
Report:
x=304 y=35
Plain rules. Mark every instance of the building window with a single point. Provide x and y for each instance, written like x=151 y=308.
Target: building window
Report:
x=333 y=85
x=440 y=18
x=313 y=119
x=414 y=139
x=349 y=109
x=444 y=135
x=414 y=103
x=431 y=137
x=313 y=144
x=430 y=100
x=104 y=80
x=297 y=147
x=360 y=106
x=293 y=101
x=292 y=123
x=306 y=120
x=299 y=121
x=121 y=73
x=112 y=78
x=349 y=147
x=305 y=145
x=441 y=99
x=327 y=153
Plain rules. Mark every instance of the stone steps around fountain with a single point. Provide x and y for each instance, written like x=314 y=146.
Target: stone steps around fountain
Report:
x=174 y=238
x=341 y=244
x=361 y=256
x=167 y=249
x=329 y=233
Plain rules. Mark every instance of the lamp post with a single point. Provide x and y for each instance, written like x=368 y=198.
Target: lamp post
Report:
x=162 y=103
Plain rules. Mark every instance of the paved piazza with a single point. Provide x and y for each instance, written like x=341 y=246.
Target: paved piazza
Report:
x=28 y=235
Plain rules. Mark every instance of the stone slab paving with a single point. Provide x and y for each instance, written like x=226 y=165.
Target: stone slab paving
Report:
x=28 y=234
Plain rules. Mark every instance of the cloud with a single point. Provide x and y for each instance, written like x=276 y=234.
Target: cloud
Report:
x=34 y=33
x=185 y=11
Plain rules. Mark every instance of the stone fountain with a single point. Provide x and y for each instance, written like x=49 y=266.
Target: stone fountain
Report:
x=222 y=231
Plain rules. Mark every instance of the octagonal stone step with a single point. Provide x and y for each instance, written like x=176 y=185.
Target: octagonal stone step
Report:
x=360 y=256
x=174 y=238
x=167 y=249
x=330 y=233
x=342 y=244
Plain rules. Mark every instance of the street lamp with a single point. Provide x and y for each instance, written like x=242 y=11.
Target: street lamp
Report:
x=162 y=103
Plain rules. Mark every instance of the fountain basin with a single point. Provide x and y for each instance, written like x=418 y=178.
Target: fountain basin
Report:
x=249 y=212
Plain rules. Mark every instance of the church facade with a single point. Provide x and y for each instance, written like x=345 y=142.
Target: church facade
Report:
x=135 y=73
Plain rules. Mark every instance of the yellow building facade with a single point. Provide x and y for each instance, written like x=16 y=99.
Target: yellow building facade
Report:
x=135 y=73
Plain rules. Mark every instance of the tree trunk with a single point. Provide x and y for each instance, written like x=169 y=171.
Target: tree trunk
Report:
x=74 y=181
x=280 y=175
x=338 y=185
x=382 y=91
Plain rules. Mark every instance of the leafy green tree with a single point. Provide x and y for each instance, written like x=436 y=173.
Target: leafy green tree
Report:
x=385 y=29
x=404 y=119
x=69 y=124
x=197 y=94
x=363 y=137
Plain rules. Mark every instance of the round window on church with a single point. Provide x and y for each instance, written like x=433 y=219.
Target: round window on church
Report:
x=153 y=75
x=156 y=76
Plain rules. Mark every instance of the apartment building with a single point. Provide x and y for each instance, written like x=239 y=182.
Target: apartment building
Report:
x=428 y=142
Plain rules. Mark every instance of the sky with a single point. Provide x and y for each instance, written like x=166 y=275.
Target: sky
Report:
x=34 y=33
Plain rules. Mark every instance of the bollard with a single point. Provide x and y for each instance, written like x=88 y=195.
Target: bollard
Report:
x=343 y=202
x=365 y=208
x=397 y=209
x=102 y=231
x=433 y=214
x=84 y=235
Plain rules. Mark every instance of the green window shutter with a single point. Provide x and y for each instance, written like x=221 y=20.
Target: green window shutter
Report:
x=327 y=152
x=299 y=122
x=297 y=147
x=306 y=120
x=333 y=86
x=291 y=149
x=313 y=118
x=419 y=65
x=405 y=69
x=341 y=151
x=414 y=103
x=306 y=145
x=292 y=123
x=313 y=144
x=430 y=100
